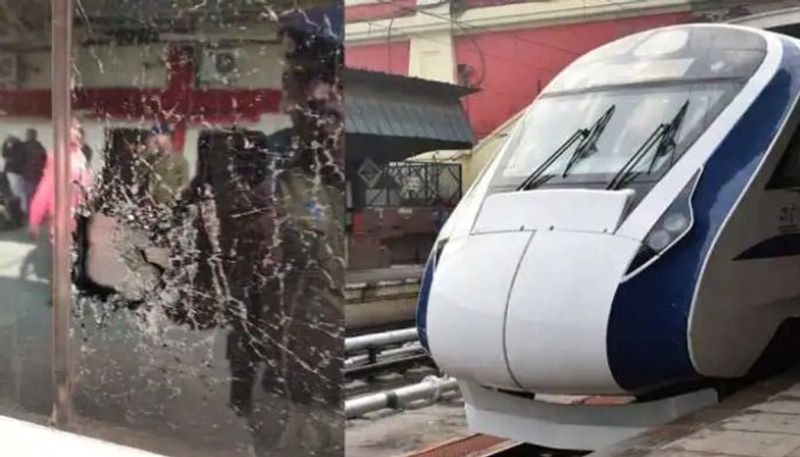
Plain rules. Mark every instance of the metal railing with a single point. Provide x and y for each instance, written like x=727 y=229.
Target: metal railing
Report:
x=414 y=184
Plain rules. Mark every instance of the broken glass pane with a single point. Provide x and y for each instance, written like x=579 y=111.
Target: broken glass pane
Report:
x=208 y=266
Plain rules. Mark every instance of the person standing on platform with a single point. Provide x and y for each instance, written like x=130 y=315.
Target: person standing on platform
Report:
x=87 y=150
x=13 y=154
x=35 y=158
x=169 y=171
x=42 y=205
x=301 y=359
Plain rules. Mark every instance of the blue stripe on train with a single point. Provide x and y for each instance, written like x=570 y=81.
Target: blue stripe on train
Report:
x=647 y=329
x=422 y=303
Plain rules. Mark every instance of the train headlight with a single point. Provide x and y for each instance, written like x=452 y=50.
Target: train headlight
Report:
x=658 y=240
x=676 y=222
x=670 y=228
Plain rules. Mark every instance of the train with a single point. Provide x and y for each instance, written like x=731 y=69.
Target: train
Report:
x=633 y=247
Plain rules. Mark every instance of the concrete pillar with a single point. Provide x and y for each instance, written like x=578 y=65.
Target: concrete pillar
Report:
x=431 y=54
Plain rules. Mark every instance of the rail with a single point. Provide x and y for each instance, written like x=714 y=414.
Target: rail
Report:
x=385 y=355
x=399 y=364
x=430 y=388
x=374 y=340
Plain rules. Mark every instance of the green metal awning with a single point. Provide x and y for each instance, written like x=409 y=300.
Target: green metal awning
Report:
x=390 y=117
x=444 y=122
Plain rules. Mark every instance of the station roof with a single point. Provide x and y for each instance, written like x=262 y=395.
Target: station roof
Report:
x=391 y=117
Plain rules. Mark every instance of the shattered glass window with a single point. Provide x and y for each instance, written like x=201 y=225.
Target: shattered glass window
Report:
x=205 y=149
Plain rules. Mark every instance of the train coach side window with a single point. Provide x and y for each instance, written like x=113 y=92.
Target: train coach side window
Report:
x=787 y=173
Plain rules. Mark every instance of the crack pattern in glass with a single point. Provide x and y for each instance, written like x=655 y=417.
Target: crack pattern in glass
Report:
x=207 y=261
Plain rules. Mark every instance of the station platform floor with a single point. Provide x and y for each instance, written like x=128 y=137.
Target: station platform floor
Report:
x=378 y=276
x=381 y=296
x=762 y=420
x=399 y=434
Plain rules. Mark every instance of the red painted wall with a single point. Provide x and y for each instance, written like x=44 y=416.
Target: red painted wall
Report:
x=380 y=10
x=511 y=67
x=379 y=57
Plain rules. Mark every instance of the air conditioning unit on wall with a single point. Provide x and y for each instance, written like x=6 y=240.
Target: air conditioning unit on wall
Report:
x=219 y=66
x=9 y=68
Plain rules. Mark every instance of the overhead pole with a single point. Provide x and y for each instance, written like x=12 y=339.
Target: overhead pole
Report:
x=61 y=53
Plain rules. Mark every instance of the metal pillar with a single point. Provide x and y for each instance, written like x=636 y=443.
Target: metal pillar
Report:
x=61 y=282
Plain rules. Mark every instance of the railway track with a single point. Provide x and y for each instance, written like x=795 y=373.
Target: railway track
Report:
x=395 y=350
x=390 y=370
x=398 y=364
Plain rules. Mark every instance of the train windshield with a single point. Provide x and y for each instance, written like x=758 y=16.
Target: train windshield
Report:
x=603 y=110
x=637 y=114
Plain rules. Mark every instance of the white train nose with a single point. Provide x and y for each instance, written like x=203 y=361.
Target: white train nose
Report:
x=523 y=302
x=467 y=306
x=558 y=310
x=528 y=310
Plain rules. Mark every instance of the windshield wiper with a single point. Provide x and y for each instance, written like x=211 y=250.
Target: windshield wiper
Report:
x=587 y=147
x=532 y=180
x=586 y=137
x=663 y=136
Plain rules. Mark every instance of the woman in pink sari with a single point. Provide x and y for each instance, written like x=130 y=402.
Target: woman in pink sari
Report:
x=43 y=202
